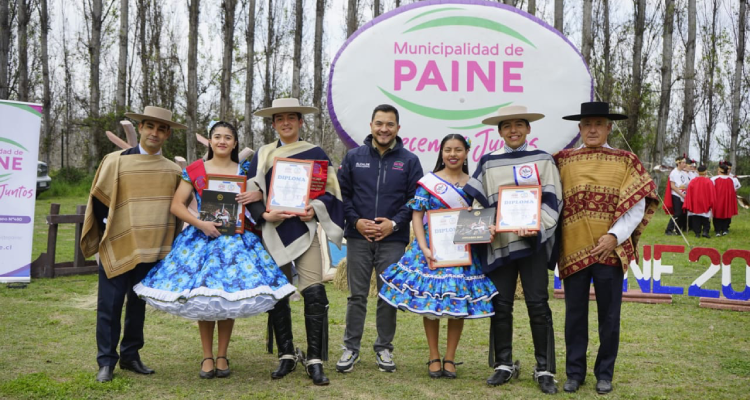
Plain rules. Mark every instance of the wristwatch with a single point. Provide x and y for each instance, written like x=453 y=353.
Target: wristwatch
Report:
x=395 y=225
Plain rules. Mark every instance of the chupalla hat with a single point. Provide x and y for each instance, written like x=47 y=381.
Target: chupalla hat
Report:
x=153 y=113
x=285 y=105
x=595 y=109
x=512 y=112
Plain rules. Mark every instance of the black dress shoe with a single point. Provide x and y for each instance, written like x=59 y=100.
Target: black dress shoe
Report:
x=207 y=374
x=434 y=374
x=503 y=376
x=286 y=365
x=547 y=384
x=572 y=385
x=603 y=387
x=136 y=366
x=449 y=374
x=105 y=373
x=315 y=371
x=707 y=236
x=223 y=373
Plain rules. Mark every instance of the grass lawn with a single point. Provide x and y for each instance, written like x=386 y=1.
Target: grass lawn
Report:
x=673 y=350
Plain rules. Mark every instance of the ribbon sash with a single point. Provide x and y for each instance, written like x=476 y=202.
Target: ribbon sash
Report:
x=443 y=191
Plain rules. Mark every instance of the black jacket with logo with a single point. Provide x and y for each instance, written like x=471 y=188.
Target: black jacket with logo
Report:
x=379 y=186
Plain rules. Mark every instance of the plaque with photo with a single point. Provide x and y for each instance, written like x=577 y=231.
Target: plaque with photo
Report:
x=474 y=226
x=230 y=184
x=221 y=207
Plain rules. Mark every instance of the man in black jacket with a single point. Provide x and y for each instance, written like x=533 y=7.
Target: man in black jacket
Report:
x=377 y=179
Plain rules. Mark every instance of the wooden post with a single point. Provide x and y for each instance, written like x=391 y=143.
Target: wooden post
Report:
x=78 y=259
x=49 y=266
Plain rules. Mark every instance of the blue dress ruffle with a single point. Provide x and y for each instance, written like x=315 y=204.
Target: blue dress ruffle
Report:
x=453 y=292
x=214 y=279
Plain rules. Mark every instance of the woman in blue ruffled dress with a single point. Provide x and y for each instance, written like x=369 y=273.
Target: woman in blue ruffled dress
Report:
x=211 y=277
x=415 y=285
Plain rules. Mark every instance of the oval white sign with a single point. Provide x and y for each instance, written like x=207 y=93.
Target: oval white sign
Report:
x=447 y=65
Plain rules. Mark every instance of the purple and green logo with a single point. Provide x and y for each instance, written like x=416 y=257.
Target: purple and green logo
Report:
x=447 y=65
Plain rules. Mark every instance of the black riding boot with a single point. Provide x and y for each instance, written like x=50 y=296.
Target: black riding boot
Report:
x=316 y=324
x=542 y=334
x=280 y=319
x=501 y=344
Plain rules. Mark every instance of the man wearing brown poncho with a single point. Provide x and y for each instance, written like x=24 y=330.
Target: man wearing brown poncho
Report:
x=129 y=224
x=609 y=199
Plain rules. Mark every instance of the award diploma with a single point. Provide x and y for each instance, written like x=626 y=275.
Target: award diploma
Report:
x=518 y=207
x=290 y=185
x=442 y=227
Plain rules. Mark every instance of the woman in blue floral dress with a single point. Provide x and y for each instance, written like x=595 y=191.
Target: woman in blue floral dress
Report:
x=211 y=277
x=415 y=285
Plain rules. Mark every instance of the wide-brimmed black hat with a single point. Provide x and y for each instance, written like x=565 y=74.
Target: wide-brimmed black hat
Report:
x=595 y=109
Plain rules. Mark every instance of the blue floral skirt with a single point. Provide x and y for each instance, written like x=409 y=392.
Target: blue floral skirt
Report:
x=215 y=279
x=448 y=292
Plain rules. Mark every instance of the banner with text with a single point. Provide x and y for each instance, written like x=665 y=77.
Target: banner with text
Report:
x=446 y=65
x=19 y=150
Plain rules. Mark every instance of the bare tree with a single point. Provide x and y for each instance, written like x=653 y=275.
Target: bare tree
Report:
x=710 y=85
x=376 y=8
x=737 y=82
x=587 y=38
x=634 y=101
x=559 y=5
x=250 y=76
x=225 y=108
x=688 y=108
x=122 y=61
x=23 y=50
x=268 y=134
x=143 y=9
x=47 y=96
x=511 y=3
x=192 y=92
x=297 y=59
x=4 y=47
x=94 y=48
x=68 y=104
x=532 y=7
x=352 y=11
x=320 y=8
x=606 y=93
x=666 y=82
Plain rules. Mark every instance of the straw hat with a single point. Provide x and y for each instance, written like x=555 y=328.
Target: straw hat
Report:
x=512 y=112
x=158 y=114
x=285 y=105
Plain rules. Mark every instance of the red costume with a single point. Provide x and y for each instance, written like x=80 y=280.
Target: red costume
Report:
x=700 y=196
x=725 y=205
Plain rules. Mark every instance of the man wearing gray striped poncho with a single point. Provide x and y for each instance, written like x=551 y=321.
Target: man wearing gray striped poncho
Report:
x=523 y=251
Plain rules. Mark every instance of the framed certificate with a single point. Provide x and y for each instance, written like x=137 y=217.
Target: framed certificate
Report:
x=290 y=185
x=518 y=207
x=230 y=186
x=442 y=227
